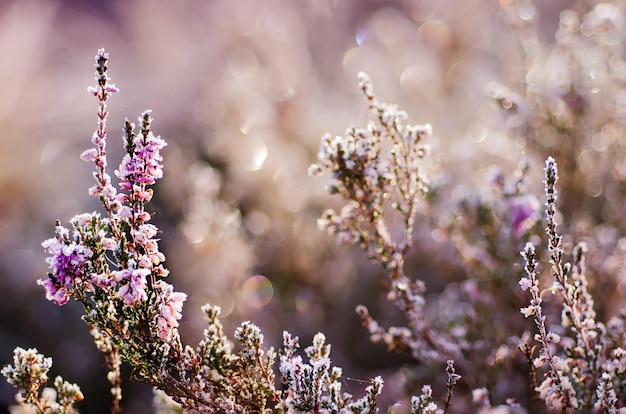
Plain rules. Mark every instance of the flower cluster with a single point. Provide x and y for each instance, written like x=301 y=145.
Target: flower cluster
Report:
x=29 y=372
x=67 y=261
x=316 y=386
x=114 y=262
x=113 y=267
x=449 y=252
x=423 y=404
x=367 y=178
x=586 y=377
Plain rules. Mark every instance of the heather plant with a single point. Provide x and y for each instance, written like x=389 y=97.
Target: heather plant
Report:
x=466 y=325
x=486 y=227
x=587 y=379
x=28 y=374
x=378 y=171
x=486 y=232
x=369 y=178
x=589 y=375
x=113 y=267
x=252 y=102
x=569 y=105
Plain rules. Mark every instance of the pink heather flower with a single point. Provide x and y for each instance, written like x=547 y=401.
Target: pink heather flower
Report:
x=525 y=283
x=95 y=190
x=108 y=191
x=111 y=88
x=619 y=360
x=170 y=310
x=145 y=261
x=145 y=216
x=102 y=280
x=89 y=154
x=145 y=196
x=84 y=218
x=144 y=233
x=558 y=397
x=553 y=337
x=109 y=243
x=124 y=212
x=528 y=311
x=134 y=284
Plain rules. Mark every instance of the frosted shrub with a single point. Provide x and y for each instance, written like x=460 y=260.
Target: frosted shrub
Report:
x=466 y=336
x=369 y=178
x=29 y=373
x=113 y=267
x=589 y=375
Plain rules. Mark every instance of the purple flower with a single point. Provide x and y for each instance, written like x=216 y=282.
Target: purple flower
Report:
x=142 y=163
x=55 y=291
x=522 y=213
x=66 y=262
x=89 y=154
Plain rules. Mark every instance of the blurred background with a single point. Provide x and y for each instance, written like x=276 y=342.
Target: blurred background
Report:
x=242 y=92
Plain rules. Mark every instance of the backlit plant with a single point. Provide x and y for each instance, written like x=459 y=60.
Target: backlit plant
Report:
x=468 y=333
